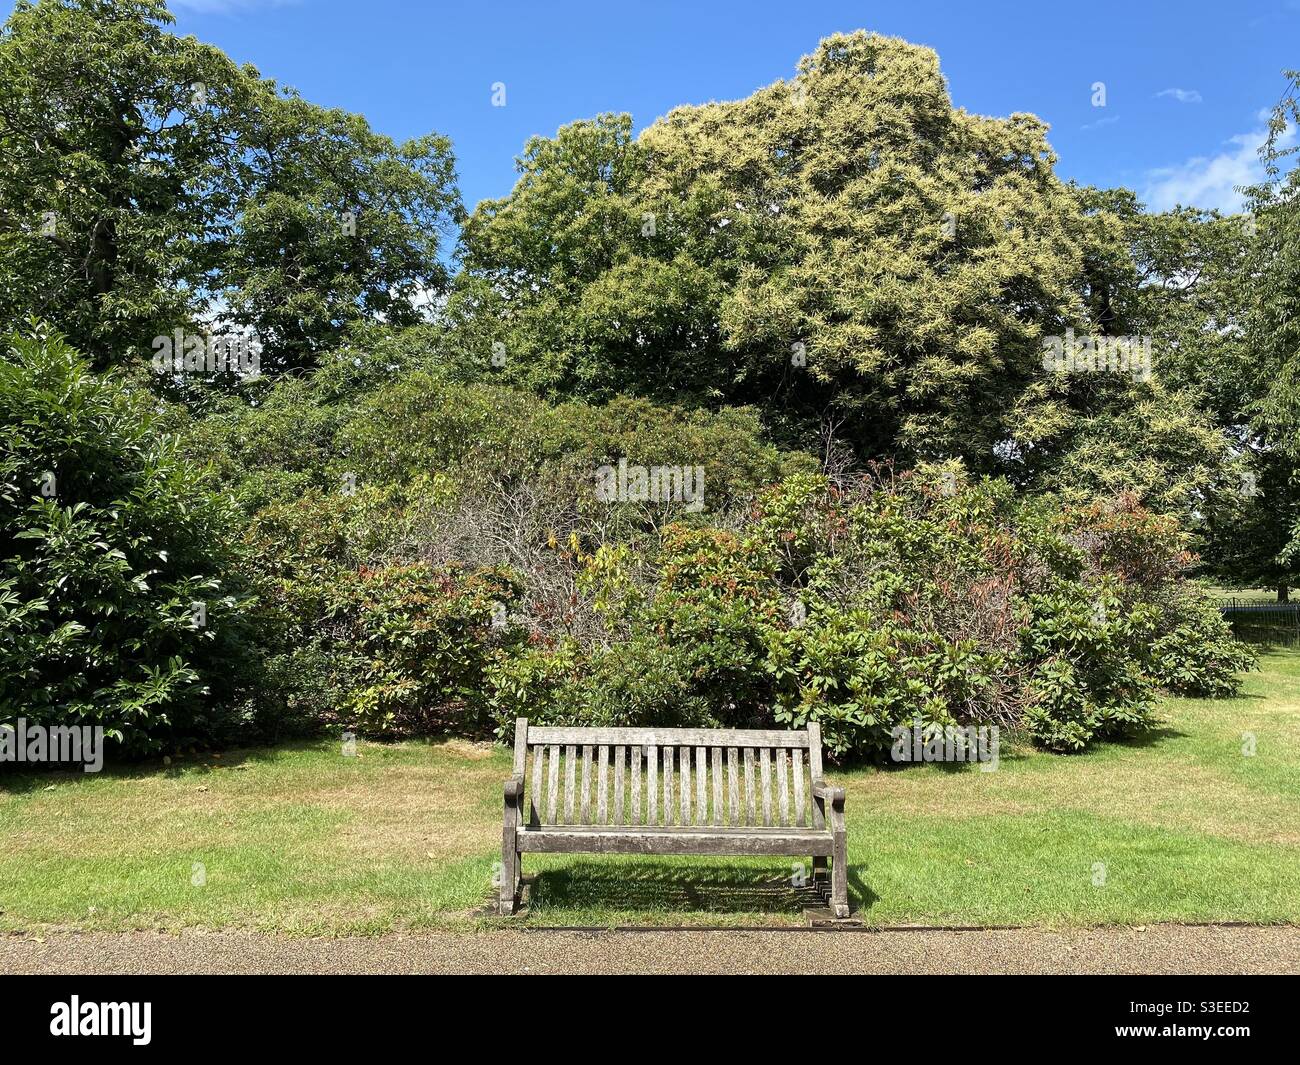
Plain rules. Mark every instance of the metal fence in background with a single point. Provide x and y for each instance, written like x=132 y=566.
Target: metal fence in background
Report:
x=1261 y=622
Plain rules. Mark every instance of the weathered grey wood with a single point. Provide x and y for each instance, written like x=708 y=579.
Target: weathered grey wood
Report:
x=701 y=780
x=782 y=787
x=787 y=826
x=668 y=753
x=839 y=855
x=514 y=797
x=815 y=771
x=521 y=746
x=570 y=780
x=671 y=737
x=765 y=776
x=799 y=814
x=635 y=770
x=676 y=840
x=508 y=886
x=535 y=818
x=602 y=785
x=717 y=785
x=652 y=785
x=552 y=784
x=684 y=782
x=586 y=784
x=751 y=808
x=733 y=786
x=620 y=755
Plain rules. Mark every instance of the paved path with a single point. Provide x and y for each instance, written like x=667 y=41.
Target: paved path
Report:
x=1157 y=949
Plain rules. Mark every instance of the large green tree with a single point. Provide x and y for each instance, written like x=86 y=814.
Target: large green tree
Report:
x=1178 y=437
x=846 y=250
x=112 y=175
x=148 y=182
x=1271 y=547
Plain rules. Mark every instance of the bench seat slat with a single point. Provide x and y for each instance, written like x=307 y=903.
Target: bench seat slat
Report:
x=679 y=840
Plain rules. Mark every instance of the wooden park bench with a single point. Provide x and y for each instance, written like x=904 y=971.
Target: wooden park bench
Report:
x=672 y=791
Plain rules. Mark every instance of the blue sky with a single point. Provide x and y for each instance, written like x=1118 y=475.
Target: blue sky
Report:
x=1186 y=83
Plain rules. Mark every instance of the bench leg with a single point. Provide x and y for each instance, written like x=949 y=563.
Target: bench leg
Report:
x=840 y=876
x=509 y=873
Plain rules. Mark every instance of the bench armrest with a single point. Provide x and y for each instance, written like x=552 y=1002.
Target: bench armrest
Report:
x=822 y=790
x=514 y=787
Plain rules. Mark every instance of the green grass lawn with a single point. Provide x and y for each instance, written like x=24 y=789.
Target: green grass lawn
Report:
x=1184 y=827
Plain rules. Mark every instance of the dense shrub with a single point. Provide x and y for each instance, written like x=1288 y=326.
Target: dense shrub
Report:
x=1197 y=654
x=109 y=541
x=419 y=640
x=885 y=602
x=406 y=509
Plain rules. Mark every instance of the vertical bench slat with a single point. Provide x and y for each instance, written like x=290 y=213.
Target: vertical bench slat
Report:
x=733 y=786
x=684 y=782
x=765 y=778
x=783 y=787
x=620 y=754
x=652 y=784
x=552 y=784
x=815 y=769
x=586 y=784
x=750 y=807
x=570 y=780
x=717 y=785
x=602 y=787
x=701 y=779
x=536 y=816
x=634 y=817
x=799 y=818
x=668 y=784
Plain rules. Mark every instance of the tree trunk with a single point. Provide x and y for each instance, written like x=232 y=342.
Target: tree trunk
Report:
x=1283 y=593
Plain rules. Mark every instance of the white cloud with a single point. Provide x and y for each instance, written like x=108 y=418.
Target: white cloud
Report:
x=1183 y=96
x=1211 y=182
x=1108 y=120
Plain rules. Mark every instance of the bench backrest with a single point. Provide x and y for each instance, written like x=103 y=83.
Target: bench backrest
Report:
x=669 y=777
